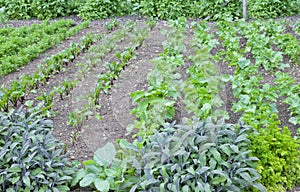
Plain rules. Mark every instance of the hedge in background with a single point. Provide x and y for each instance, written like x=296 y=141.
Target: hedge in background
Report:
x=164 y=9
x=100 y=9
x=41 y=9
x=171 y=9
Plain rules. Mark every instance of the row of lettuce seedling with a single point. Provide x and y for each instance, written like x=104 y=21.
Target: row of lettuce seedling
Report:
x=17 y=51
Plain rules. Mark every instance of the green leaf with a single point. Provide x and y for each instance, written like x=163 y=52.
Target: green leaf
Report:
x=137 y=95
x=293 y=120
x=260 y=187
x=212 y=164
x=218 y=180
x=191 y=170
x=203 y=170
x=225 y=149
x=235 y=148
x=87 y=180
x=216 y=154
x=245 y=176
x=63 y=188
x=14 y=169
x=186 y=188
x=15 y=179
x=79 y=175
x=101 y=185
x=105 y=155
x=26 y=181
x=240 y=138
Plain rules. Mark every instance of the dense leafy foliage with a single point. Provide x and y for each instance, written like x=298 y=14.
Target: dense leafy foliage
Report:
x=194 y=156
x=31 y=158
x=280 y=164
x=99 y=9
x=272 y=8
x=164 y=9
x=42 y=9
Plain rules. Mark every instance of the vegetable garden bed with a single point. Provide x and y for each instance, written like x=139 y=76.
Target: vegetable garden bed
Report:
x=131 y=75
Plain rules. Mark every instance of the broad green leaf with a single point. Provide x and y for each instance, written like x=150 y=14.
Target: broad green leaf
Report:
x=203 y=170
x=245 y=176
x=294 y=120
x=79 y=175
x=101 y=185
x=87 y=180
x=260 y=187
x=14 y=169
x=63 y=188
x=235 y=148
x=186 y=188
x=137 y=95
x=212 y=164
x=225 y=149
x=15 y=179
x=191 y=170
x=106 y=154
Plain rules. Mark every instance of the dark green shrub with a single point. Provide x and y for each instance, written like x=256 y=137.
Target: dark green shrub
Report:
x=273 y=8
x=194 y=156
x=42 y=9
x=45 y=9
x=31 y=159
x=16 y=9
x=171 y=9
x=99 y=9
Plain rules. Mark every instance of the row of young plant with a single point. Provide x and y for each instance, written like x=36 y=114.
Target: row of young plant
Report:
x=27 y=43
x=204 y=81
x=257 y=101
x=14 y=95
x=112 y=72
x=156 y=105
x=95 y=56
